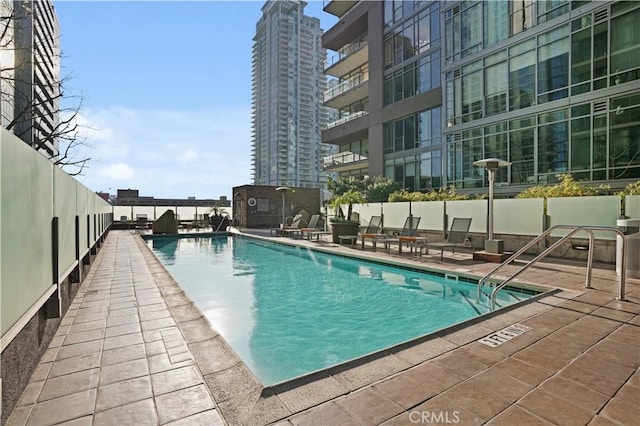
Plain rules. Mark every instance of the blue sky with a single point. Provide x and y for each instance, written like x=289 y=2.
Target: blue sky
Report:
x=167 y=92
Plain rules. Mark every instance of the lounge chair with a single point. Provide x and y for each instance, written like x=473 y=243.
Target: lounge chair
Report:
x=294 y=228
x=456 y=238
x=408 y=235
x=296 y=219
x=373 y=231
x=312 y=226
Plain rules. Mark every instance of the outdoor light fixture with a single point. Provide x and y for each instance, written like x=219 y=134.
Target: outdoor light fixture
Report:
x=283 y=189
x=492 y=164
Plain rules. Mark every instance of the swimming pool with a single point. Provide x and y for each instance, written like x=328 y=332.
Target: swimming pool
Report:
x=288 y=311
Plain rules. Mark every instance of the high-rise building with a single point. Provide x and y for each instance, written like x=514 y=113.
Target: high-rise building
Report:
x=30 y=72
x=288 y=81
x=426 y=88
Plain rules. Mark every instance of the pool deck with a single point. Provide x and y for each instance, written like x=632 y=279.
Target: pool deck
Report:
x=133 y=349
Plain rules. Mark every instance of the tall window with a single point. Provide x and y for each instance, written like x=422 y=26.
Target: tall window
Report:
x=625 y=47
x=522 y=15
x=581 y=55
x=496 y=87
x=553 y=65
x=549 y=9
x=624 y=138
x=496 y=22
x=553 y=142
x=472 y=91
x=581 y=138
x=414 y=131
x=522 y=150
x=522 y=76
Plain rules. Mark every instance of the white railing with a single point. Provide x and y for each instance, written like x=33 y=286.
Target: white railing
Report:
x=348 y=117
x=344 y=53
x=345 y=86
x=343 y=158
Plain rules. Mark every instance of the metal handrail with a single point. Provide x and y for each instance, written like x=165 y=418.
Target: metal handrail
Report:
x=575 y=229
x=237 y=221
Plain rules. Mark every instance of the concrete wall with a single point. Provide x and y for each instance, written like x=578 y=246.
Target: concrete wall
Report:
x=51 y=226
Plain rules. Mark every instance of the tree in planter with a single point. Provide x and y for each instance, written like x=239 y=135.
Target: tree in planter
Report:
x=350 y=198
x=217 y=219
x=341 y=224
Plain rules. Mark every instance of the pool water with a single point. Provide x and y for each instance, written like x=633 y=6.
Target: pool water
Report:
x=288 y=311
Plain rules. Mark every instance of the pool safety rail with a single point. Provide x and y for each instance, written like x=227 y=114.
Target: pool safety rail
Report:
x=497 y=286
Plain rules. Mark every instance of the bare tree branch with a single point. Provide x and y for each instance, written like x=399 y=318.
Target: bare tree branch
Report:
x=28 y=113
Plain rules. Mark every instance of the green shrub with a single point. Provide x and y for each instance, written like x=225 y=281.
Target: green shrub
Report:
x=566 y=187
x=631 y=189
x=442 y=194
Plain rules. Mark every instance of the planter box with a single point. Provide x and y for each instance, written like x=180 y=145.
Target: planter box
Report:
x=338 y=229
x=219 y=223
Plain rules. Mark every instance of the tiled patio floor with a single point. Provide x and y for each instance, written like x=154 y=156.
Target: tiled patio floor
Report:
x=133 y=350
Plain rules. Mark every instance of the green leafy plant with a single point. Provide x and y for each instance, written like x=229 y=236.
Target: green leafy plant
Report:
x=216 y=210
x=631 y=189
x=357 y=190
x=442 y=194
x=566 y=187
x=350 y=198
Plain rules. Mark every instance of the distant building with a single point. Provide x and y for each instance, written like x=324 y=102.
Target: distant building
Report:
x=131 y=197
x=30 y=72
x=426 y=88
x=288 y=82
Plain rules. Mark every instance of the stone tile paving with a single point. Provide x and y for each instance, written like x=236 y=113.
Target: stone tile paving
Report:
x=118 y=357
x=159 y=362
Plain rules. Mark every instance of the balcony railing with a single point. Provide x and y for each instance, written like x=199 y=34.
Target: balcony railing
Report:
x=345 y=86
x=345 y=52
x=345 y=118
x=342 y=158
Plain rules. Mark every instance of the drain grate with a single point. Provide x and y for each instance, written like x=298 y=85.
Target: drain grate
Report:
x=504 y=335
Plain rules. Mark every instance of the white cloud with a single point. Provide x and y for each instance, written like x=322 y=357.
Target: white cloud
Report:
x=117 y=172
x=187 y=156
x=170 y=154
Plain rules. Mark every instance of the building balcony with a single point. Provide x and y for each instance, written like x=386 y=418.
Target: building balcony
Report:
x=345 y=161
x=338 y=7
x=347 y=118
x=349 y=58
x=351 y=26
x=347 y=92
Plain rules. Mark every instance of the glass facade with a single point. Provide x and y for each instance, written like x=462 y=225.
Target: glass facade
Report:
x=564 y=99
x=412 y=63
x=589 y=141
x=412 y=150
x=553 y=86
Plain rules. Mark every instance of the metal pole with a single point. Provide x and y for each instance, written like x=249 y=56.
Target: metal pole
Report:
x=283 y=209
x=490 y=230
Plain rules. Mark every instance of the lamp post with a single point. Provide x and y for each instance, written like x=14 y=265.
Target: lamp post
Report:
x=283 y=189
x=492 y=164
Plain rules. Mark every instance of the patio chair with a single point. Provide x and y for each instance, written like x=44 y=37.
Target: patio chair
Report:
x=297 y=218
x=312 y=226
x=408 y=234
x=373 y=231
x=294 y=228
x=456 y=238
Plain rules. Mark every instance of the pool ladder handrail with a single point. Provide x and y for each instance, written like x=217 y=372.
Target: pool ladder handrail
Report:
x=237 y=222
x=575 y=229
x=224 y=215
